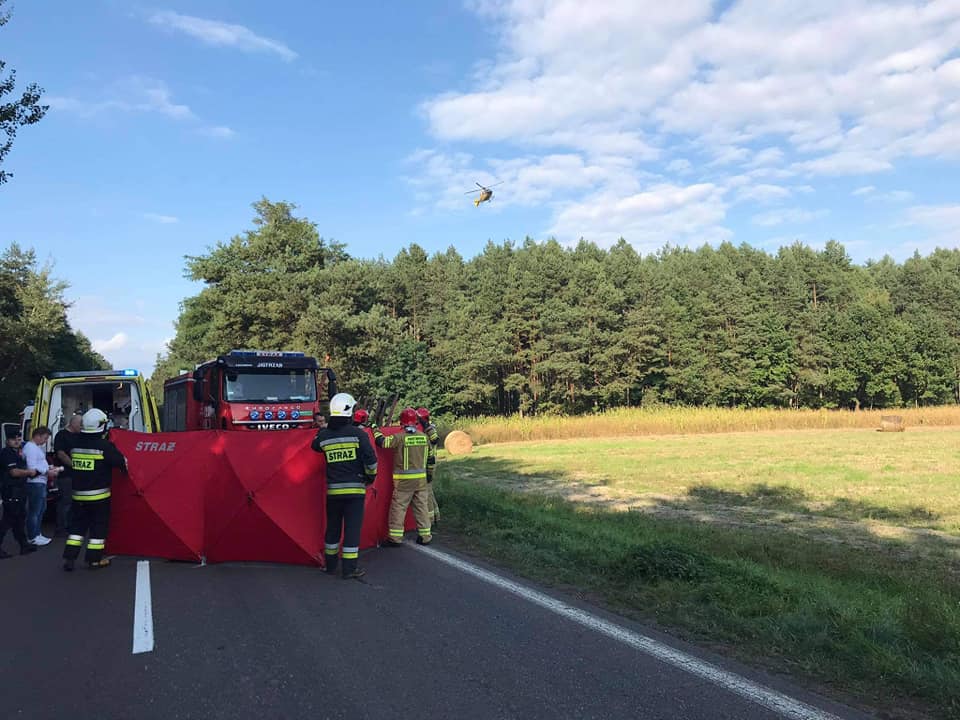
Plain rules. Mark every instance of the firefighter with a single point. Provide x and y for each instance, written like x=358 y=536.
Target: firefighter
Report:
x=92 y=459
x=412 y=472
x=351 y=466
x=423 y=416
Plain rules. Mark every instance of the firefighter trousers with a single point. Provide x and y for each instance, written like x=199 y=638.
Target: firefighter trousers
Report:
x=432 y=504
x=87 y=517
x=15 y=519
x=344 y=515
x=405 y=493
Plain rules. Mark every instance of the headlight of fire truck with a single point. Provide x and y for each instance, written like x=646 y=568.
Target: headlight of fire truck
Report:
x=295 y=415
x=282 y=415
x=254 y=414
x=268 y=415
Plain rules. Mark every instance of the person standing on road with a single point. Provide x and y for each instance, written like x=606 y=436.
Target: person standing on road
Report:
x=35 y=453
x=423 y=416
x=92 y=459
x=61 y=446
x=412 y=474
x=13 y=492
x=351 y=466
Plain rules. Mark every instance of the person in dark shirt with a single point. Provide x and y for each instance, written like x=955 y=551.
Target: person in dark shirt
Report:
x=13 y=490
x=61 y=446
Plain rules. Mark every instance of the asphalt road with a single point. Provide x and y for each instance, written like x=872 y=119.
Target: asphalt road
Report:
x=416 y=639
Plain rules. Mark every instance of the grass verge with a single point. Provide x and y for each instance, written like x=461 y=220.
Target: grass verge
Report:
x=865 y=625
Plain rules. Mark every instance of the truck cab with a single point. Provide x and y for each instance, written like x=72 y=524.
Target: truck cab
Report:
x=245 y=390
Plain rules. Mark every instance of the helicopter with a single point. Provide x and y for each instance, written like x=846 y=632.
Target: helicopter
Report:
x=485 y=193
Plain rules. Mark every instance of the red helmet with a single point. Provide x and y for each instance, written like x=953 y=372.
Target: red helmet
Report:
x=423 y=414
x=408 y=416
x=360 y=416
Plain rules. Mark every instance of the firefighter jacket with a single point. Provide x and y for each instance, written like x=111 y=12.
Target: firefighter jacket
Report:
x=93 y=458
x=431 y=431
x=413 y=455
x=351 y=459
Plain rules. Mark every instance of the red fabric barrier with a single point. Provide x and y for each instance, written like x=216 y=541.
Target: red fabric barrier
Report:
x=158 y=509
x=268 y=499
x=231 y=496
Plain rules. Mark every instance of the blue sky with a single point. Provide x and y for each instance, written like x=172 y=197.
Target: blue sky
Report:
x=687 y=122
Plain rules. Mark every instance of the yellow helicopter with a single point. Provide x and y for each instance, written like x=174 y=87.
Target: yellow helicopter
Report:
x=485 y=193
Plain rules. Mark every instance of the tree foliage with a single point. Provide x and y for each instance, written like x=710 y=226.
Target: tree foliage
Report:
x=541 y=328
x=26 y=110
x=35 y=335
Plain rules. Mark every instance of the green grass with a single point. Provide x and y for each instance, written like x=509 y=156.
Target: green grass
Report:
x=907 y=479
x=836 y=604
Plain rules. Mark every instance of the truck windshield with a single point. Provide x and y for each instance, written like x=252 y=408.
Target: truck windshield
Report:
x=271 y=386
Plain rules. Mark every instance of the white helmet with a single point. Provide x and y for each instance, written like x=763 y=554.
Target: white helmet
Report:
x=341 y=405
x=94 y=421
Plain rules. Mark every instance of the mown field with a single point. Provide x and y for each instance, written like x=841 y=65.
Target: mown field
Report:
x=830 y=554
x=670 y=420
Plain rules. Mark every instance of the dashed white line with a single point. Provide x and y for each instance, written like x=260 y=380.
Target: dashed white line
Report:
x=771 y=699
x=143 y=611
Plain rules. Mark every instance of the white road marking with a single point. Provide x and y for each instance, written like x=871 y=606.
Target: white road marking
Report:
x=764 y=696
x=143 y=611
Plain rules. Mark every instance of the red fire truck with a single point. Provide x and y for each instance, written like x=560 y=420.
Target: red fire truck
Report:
x=248 y=390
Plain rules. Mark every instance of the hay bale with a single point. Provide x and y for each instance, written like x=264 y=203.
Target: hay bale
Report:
x=458 y=443
x=891 y=423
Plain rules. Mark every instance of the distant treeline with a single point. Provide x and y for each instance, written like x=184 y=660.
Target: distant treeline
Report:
x=541 y=328
x=35 y=335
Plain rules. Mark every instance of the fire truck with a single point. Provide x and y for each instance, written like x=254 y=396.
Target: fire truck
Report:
x=248 y=390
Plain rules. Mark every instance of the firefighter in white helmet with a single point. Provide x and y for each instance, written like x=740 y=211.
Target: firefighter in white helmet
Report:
x=92 y=459
x=351 y=466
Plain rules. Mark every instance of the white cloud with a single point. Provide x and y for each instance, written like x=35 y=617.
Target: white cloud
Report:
x=762 y=193
x=759 y=92
x=794 y=216
x=873 y=195
x=933 y=226
x=222 y=34
x=162 y=219
x=134 y=94
x=897 y=196
x=220 y=132
x=648 y=219
x=942 y=220
x=95 y=314
x=115 y=343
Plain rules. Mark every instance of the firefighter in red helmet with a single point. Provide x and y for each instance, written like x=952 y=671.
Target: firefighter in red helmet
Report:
x=412 y=472
x=423 y=417
x=360 y=417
